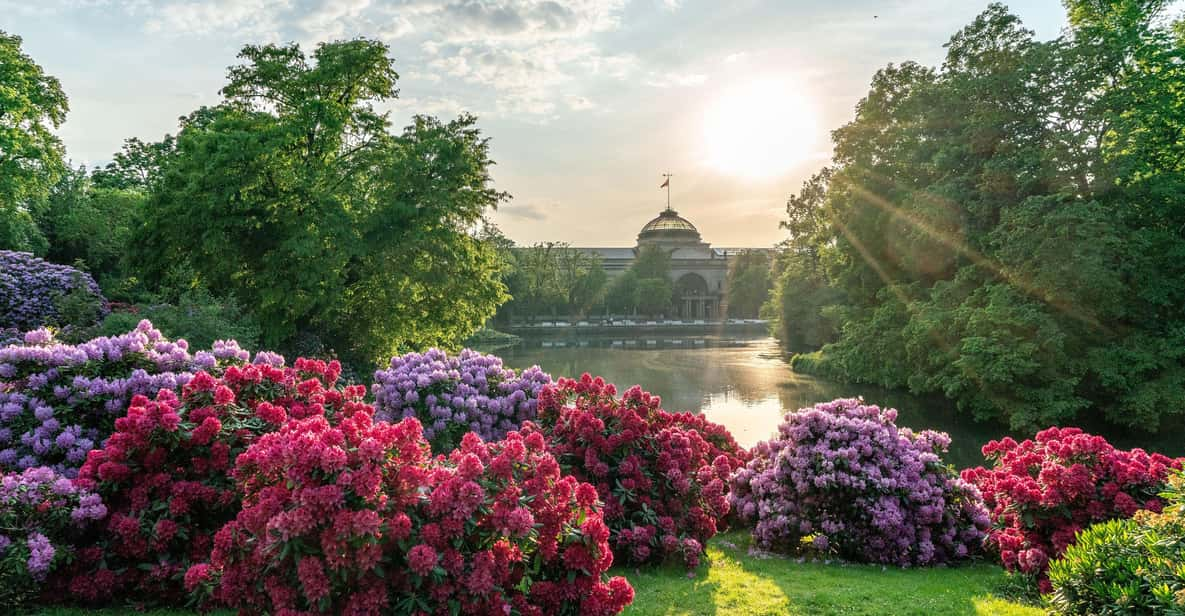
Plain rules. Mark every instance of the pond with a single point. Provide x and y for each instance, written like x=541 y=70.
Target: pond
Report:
x=744 y=382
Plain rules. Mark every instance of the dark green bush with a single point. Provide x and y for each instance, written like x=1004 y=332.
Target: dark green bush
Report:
x=197 y=316
x=1133 y=566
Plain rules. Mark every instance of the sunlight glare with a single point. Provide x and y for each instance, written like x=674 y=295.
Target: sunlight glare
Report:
x=760 y=128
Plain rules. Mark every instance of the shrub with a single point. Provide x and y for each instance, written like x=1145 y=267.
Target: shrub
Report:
x=165 y=473
x=452 y=395
x=1130 y=566
x=1042 y=492
x=662 y=476
x=842 y=475
x=42 y=515
x=59 y=401
x=358 y=518
x=196 y=315
x=32 y=289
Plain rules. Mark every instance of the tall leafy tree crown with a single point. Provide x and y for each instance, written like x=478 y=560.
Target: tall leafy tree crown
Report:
x=294 y=195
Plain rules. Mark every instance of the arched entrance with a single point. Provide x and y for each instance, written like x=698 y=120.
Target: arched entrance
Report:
x=692 y=298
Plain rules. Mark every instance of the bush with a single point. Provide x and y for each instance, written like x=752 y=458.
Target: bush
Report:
x=1044 y=491
x=1132 y=566
x=59 y=401
x=662 y=476
x=358 y=518
x=842 y=475
x=197 y=316
x=165 y=473
x=452 y=395
x=42 y=516
x=33 y=290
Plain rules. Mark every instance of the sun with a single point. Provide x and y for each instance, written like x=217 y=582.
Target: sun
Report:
x=760 y=128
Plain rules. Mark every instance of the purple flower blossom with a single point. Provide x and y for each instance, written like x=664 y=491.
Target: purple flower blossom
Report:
x=57 y=401
x=455 y=394
x=844 y=476
x=28 y=288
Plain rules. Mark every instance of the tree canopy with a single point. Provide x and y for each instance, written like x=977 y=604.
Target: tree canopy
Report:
x=1007 y=229
x=32 y=105
x=294 y=196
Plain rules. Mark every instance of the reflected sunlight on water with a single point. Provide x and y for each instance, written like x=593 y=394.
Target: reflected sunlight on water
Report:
x=745 y=383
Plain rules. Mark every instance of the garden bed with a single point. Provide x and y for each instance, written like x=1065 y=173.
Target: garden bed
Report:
x=733 y=582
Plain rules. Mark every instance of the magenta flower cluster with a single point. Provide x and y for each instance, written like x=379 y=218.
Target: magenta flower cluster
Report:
x=59 y=401
x=455 y=394
x=841 y=478
x=29 y=286
x=42 y=514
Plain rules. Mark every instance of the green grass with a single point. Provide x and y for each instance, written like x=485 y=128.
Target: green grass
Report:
x=732 y=582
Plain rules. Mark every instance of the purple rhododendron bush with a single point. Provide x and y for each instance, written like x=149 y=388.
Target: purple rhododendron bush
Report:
x=455 y=394
x=42 y=517
x=30 y=288
x=844 y=476
x=59 y=401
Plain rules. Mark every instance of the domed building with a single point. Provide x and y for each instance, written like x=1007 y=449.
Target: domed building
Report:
x=699 y=272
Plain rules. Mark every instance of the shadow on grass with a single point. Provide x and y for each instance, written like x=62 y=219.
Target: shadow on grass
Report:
x=735 y=583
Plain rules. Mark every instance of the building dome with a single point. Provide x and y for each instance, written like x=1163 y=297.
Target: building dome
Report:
x=669 y=226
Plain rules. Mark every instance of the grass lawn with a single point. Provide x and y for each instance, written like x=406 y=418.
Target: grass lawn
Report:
x=732 y=582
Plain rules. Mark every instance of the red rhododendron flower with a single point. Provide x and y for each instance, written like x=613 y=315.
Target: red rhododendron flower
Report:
x=1041 y=492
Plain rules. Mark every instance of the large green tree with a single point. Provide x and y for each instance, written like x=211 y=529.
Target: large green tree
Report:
x=295 y=197
x=1007 y=229
x=32 y=105
x=748 y=284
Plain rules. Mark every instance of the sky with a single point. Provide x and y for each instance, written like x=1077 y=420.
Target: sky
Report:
x=586 y=102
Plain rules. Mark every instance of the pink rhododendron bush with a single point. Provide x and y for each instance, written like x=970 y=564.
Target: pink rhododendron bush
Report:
x=357 y=518
x=662 y=476
x=1043 y=491
x=165 y=477
x=842 y=475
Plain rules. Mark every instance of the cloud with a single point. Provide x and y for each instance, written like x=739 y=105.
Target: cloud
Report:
x=252 y=18
x=525 y=211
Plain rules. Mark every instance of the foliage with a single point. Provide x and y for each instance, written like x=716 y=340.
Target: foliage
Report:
x=137 y=166
x=59 y=401
x=748 y=284
x=553 y=278
x=1129 y=566
x=645 y=286
x=195 y=315
x=357 y=518
x=33 y=105
x=42 y=516
x=94 y=225
x=453 y=395
x=325 y=224
x=662 y=476
x=1005 y=229
x=165 y=474
x=31 y=291
x=1042 y=492
x=842 y=476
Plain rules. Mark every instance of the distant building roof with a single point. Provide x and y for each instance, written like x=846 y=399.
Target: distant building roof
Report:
x=669 y=225
x=609 y=253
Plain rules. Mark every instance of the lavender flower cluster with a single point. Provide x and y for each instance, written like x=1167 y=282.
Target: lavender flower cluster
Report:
x=42 y=514
x=452 y=395
x=58 y=401
x=29 y=285
x=843 y=477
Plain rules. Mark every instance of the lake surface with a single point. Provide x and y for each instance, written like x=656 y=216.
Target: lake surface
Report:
x=744 y=382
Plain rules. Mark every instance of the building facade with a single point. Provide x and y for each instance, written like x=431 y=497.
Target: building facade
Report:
x=699 y=272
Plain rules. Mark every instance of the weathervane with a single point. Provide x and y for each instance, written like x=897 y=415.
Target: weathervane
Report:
x=666 y=183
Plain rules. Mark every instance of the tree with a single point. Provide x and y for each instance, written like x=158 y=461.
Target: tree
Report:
x=748 y=284
x=1006 y=229
x=137 y=165
x=32 y=105
x=654 y=295
x=294 y=197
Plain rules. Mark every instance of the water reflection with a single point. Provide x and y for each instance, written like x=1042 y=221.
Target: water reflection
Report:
x=744 y=383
